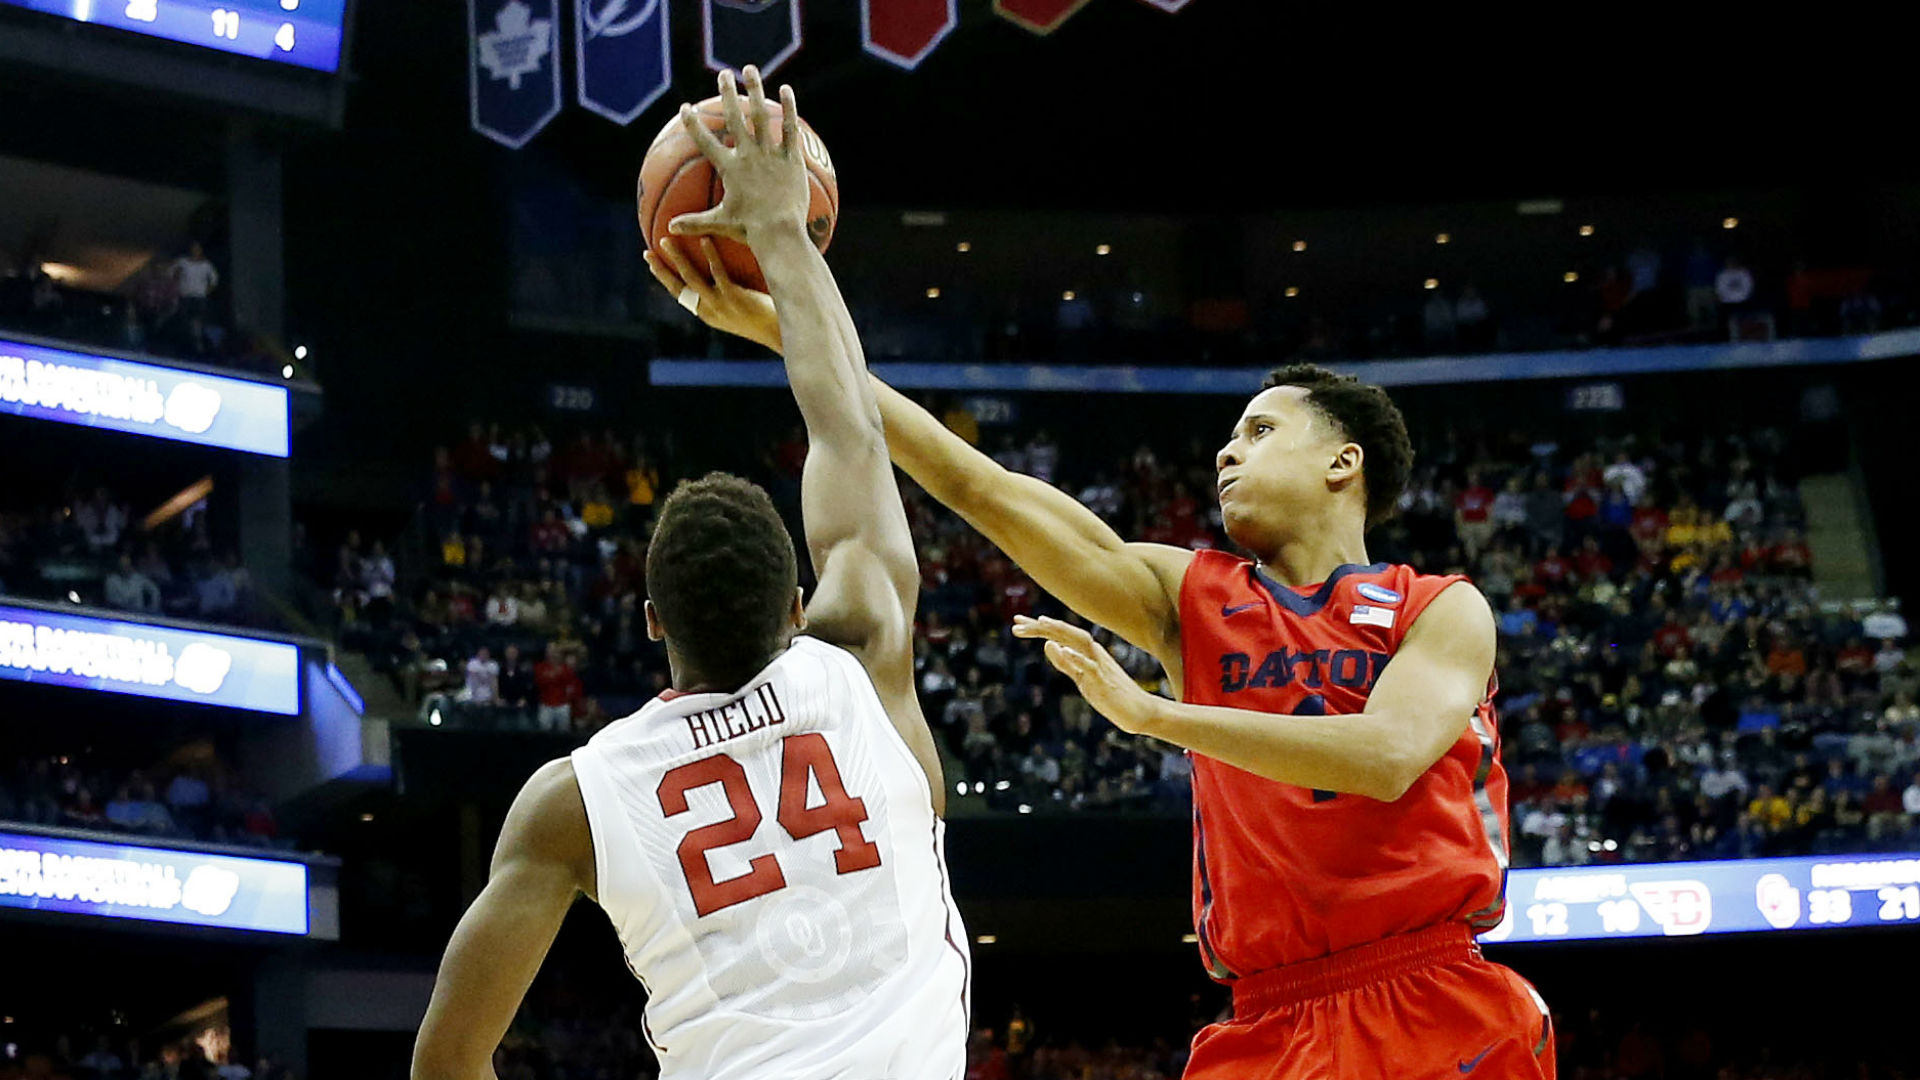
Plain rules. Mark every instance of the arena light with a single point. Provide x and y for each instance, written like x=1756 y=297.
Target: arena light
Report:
x=1299 y=245
x=1293 y=291
x=1068 y=295
x=1570 y=277
x=963 y=247
x=1002 y=785
x=1103 y=249
x=933 y=292
x=299 y=352
x=286 y=371
x=986 y=939
x=366 y=818
x=1190 y=939
x=960 y=788
x=979 y=787
x=1443 y=238
x=73 y=597
x=1586 y=230
x=434 y=718
x=1730 y=223
x=1431 y=283
x=1025 y=809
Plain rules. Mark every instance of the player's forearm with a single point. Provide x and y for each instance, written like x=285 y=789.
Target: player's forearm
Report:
x=956 y=474
x=825 y=364
x=1354 y=754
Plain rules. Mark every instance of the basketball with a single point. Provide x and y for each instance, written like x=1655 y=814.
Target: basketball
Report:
x=677 y=179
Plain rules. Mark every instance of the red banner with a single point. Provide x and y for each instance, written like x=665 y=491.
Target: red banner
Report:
x=1039 y=16
x=904 y=32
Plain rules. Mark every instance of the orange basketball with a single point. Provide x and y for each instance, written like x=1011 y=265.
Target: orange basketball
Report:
x=676 y=179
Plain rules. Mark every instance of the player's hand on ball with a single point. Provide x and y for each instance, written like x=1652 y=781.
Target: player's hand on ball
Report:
x=724 y=305
x=1102 y=681
x=765 y=181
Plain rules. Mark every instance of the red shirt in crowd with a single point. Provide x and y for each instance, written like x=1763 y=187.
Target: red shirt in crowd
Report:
x=1593 y=564
x=1671 y=638
x=1649 y=523
x=1552 y=570
x=1474 y=504
x=548 y=535
x=1794 y=556
x=556 y=683
x=1581 y=506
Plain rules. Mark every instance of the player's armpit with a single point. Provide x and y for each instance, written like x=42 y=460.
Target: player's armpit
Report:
x=1436 y=680
x=544 y=859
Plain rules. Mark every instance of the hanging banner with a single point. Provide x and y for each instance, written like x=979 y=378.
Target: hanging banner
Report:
x=742 y=32
x=513 y=68
x=1169 y=5
x=621 y=61
x=1039 y=16
x=904 y=32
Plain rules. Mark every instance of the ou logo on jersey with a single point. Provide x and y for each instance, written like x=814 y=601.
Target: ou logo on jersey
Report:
x=1680 y=907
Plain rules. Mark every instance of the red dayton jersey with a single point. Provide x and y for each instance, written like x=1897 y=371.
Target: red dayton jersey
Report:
x=1284 y=874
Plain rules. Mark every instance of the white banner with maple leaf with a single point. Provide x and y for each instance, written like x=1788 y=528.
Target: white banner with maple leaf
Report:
x=513 y=68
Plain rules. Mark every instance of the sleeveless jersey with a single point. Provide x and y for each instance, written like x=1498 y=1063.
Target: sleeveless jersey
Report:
x=1282 y=873
x=773 y=865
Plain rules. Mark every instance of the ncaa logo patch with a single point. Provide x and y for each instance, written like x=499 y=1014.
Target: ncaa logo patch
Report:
x=1378 y=594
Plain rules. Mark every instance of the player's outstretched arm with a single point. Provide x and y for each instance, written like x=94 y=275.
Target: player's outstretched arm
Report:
x=856 y=528
x=1131 y=588
x=1415 y=712
x=543 y=860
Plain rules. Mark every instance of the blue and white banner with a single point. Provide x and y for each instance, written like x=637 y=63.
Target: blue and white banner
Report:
x=146 y=399
x=93 y=653
x=622 y=64
x=742 y=32
x=513 y=68
x=1722 y=897
x=130 y=881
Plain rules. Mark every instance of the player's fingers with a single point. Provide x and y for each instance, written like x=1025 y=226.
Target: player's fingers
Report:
x=709 y=145
x=722 y=281
x=789 y=123
x=705 y=223
x=737 y=125
x=663 y=274
x=683 y=267
x=757 y=105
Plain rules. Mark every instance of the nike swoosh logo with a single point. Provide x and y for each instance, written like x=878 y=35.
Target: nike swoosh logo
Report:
x=1469 y=1066
x=1224 y=611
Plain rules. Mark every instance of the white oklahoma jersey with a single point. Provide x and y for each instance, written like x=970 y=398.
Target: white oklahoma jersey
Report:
x=775 y=870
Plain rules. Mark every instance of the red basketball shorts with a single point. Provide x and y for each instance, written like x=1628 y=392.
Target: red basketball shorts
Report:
x=1414 y=1007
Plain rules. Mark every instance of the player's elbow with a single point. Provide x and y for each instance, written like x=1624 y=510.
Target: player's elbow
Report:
x=1395 y=772
x=437 y=1058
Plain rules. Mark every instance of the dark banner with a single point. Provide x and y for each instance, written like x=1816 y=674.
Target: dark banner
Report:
x=904 y=32
x=513 y=68
x=742 y=32
x=622 y=61
x=1039 y=16
x=1169 y=5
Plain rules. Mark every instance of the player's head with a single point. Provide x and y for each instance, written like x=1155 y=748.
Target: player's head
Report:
x=722 y=584
x=1311 y=447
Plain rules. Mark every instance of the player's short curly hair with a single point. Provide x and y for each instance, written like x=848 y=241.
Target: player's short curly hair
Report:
x=721 y=574
x=1367 y=416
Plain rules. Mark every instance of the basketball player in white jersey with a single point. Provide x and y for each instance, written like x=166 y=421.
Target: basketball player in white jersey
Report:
x=766 y=836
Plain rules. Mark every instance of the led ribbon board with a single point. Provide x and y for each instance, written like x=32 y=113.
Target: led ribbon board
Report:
x=93 y=653
x=1722 y=897
x=131 y=881
x=303 y=33
x=144 y=399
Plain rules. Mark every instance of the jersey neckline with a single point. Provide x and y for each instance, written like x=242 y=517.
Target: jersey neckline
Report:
x=1289 y=596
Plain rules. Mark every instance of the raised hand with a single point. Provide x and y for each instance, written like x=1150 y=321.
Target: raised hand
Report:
x=1105 y=685
x=721 y=302
x=765 y=181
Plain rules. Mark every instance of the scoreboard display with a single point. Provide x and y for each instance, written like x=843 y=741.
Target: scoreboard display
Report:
x=1723 y=897
x=302 y=33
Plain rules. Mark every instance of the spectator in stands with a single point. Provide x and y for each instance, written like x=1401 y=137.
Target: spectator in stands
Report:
x=190 y=799
x=377 y=579
x=130 y=590
x=195 y=278
x=101 y=520
x=517 y=689
x=483 y=679
x=1733 y=287
x=1473 y=515
x=1702 y=272
x=558 y=687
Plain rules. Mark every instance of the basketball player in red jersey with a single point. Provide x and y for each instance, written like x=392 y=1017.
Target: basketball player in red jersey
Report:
x=1350 y=809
